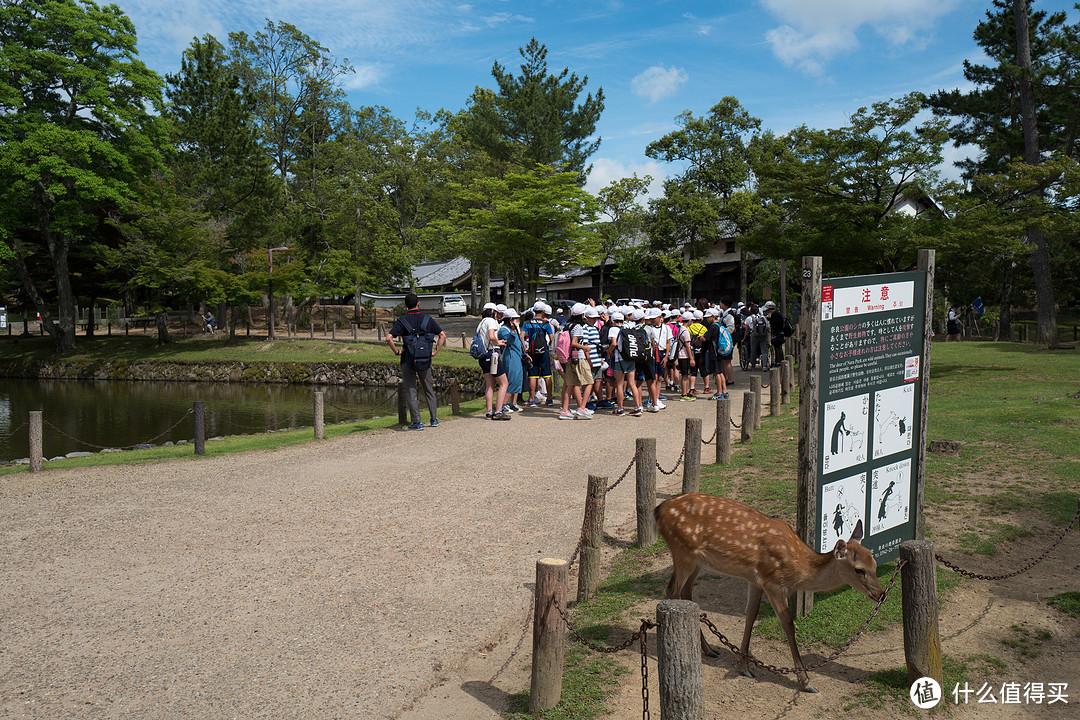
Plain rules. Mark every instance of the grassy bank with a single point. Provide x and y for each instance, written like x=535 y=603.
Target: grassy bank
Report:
x=1015 y=409
x=220 y=348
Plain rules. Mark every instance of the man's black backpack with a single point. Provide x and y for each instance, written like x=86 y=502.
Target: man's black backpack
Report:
x=419 y=343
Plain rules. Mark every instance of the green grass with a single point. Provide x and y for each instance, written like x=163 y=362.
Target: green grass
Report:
x=199 y=348
x=890 y=687
x=1068 y=603
x=588 y=680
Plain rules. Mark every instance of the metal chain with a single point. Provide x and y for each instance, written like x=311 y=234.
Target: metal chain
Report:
x=645 y=625
x=840 y=651
x=644 y=675
x=1025 y=568
x=581 y=540
x=120 y=447
x=261 y=428
x=12 y=433
x=734 y=424
x=625 y=473
x=677 y=463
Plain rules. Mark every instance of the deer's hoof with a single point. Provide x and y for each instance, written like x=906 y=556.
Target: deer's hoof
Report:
x=809 y=689
x=747 y=673
x=711 y=652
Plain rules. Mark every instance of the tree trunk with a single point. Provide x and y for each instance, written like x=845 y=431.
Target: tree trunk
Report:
x=162 y=327
x=472 y=289
x=485 y=288
x=1040 y=257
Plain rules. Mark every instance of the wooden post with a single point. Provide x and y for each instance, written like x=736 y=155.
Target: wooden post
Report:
x=589 y=570
x=646 y=491
x=333 y=331
x=549 y=635
x=678 y=657
x=402 y=407
x=691 y=478
x=809 y=395
x=37 y=459
x=464 y=342
x=774 y=391
x=200 y=427
x=319 y=434
x=353 y=331
x=755 y=391
x=455 y=399
x=927 y=265
x=918 y=583
x=748 y=404
x=785 y=381
x=723 y=431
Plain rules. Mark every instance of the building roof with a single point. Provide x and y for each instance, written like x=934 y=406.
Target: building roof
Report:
x=440 y=274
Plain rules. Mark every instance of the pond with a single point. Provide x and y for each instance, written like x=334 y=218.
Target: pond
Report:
x=88 y=415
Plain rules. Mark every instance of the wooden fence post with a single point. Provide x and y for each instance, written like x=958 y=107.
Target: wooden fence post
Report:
x=723 y=431
x=691 y=479
x=646 y=491
x=774 y=391
x=785 y=381
x=678 y=657
x=319 y=427
x=755 y=390
x=198 y=410
x=402 y=407
x=353 y=331
x=455 y=397
x=549 y=635
x=918 y=583
x=589 y=568
x=748 y=404
x=37 y=459
x=464 y=342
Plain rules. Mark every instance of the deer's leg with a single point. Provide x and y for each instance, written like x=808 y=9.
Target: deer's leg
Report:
x=780 y=605
x=684 y=590
x=753 y=604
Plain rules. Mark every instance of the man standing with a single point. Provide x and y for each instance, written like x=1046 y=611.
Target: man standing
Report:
x=422 y=338
x=780 y=329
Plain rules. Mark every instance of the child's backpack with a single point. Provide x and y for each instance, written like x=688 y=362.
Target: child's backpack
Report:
x=537 y=339
x=723 y=342
x=478 y=349
x=632 y=344
x=562 y=346
x=420 y=343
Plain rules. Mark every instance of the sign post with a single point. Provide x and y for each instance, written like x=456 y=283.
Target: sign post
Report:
x=863 y=407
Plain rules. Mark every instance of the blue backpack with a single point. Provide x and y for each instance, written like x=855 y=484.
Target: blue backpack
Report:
x=419 y=342
x=478 y=349
x=723 y=342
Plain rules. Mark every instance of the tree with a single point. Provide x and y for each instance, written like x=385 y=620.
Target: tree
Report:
x=836 y=193
x=713 y=198
x=535 y=118
x=77 y=127
x=625 y=225
x=1023 y=108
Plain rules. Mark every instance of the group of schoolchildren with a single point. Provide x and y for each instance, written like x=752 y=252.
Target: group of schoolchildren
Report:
x=619 y=358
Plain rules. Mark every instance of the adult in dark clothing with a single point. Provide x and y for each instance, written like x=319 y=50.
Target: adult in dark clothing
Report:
x=413 y=369
x=777 y=330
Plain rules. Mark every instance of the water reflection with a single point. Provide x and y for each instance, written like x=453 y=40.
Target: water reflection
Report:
x=86 y=415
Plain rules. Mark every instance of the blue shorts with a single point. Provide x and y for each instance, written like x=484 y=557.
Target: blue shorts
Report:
x=624 y=366
x=541 y=365
x=485 y=364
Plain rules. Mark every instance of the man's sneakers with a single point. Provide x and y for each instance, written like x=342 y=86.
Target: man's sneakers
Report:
x=416 y=426
x=661 y=405
x=500 y=416
x=434 y=422
x=687 y=398
x=636 y=412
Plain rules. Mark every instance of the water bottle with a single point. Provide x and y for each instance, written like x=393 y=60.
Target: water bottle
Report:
x=494 y=370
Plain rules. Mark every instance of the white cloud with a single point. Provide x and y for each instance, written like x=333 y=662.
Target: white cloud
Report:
x=605 y=170
x=813 y=33
x=659 y=82
x=366 y=75
x=503 y=18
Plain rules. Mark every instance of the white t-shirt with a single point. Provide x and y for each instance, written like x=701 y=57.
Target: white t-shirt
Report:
x=613 y=334
x=487 y=325
x=684 y=340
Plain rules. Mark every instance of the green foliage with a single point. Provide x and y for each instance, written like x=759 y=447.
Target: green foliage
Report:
x=535 y=119
x=1067 y=602
x=839 y=193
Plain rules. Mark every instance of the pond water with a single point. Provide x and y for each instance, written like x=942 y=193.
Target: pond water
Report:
x=87 y=415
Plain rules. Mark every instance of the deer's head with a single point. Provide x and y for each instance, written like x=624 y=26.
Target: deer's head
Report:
x=856 y=565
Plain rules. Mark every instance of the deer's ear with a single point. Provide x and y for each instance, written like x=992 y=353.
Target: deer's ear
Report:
x=856 y=534
x=840 y=550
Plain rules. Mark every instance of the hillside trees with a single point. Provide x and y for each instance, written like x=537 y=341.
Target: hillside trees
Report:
x=76 y=128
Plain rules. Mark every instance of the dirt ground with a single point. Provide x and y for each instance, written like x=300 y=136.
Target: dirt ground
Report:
x=389 y=575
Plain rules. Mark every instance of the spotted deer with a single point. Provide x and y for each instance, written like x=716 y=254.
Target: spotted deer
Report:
x=736 y=540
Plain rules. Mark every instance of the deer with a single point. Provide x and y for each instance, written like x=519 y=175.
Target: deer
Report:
x=737 y=540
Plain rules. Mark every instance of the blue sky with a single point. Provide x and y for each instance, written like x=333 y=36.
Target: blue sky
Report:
x=789 y=62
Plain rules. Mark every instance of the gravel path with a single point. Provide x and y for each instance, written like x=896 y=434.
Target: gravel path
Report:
x=342 y=579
